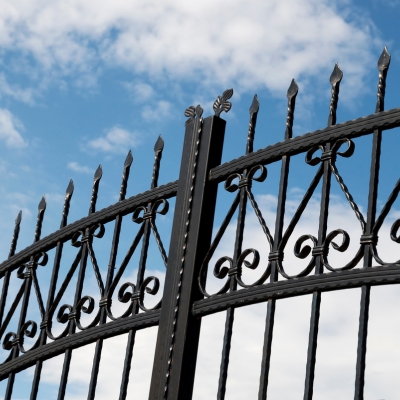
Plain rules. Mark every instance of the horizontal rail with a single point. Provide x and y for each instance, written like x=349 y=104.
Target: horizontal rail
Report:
x=105 y=215
x=350 y=129
x=296 y=287
x=114 y=328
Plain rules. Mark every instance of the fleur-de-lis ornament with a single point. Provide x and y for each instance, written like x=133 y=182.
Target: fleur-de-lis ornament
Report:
x=192 y=113
x=222 y=103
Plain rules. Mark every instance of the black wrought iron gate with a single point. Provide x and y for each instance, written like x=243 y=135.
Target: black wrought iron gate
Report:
x=185 y=299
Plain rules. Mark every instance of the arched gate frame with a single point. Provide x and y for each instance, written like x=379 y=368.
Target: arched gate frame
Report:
x=185 y=299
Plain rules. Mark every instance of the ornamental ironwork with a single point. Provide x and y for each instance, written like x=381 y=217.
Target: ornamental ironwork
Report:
x=185 y=297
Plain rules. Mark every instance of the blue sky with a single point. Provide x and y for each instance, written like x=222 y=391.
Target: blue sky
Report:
x=82 y=83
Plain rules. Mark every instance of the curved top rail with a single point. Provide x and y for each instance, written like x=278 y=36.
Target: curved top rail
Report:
x=105 y=215
x=351 y=129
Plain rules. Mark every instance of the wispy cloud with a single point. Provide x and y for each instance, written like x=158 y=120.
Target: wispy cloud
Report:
x=25 y=95
x=160 y=110
x=116 y=140
x=141 y=92
x=74 y=166
x=9 y=130
x=262 y=44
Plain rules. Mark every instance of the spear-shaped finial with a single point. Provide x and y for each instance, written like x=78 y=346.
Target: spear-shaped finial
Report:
x=15 y=235
x=67 y=201
x=335 y=79
x=39 y=220
x=158 y=149
x=291 y=95
x=96 y=181
x=255 y=105
x=383 y=66
x=125 y=175
x=18 y=219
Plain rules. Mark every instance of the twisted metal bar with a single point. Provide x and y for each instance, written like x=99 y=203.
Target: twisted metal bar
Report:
x=159 y=242
x=383 y=66
x=291 y=95
x=95 y=189
x=335 y=79
x=260 y=217
x=255 y=105
x=197 y=130
x=348 y=195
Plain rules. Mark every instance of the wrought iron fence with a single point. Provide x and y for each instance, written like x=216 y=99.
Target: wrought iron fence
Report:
x=185 y=297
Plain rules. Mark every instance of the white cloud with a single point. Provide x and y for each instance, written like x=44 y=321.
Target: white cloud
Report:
x=245 y=45
x=9 y=130
x=14 y=91
x=116 y=140
x=74 y=166
x=161 y=110
x=142 y=92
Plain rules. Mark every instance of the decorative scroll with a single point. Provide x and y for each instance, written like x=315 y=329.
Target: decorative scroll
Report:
x=83 y=320
x=241 y=258
x=69 y=314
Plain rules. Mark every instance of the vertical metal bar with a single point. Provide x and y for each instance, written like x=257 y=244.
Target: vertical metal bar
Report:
x=280 y=217
x=6 y=280
x=27 y=292
x=230 y=312
x=158 y=148
x=4 y=292
x=79 y=284
x=178 y=333
x=335 y=80
x=52 y=289
x=110 y=275
x=383 y=66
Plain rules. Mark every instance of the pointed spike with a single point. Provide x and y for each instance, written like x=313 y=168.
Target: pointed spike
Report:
x=384 y=60
x=19 y=217
x=98 y=174
x=128 y=159
x=336 y=75
x=159 y=146
x=255 y=105
x=293 y=89
x=70 y=188
x=42 y=204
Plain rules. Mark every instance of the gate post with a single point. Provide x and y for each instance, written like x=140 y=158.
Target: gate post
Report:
x=178 y=334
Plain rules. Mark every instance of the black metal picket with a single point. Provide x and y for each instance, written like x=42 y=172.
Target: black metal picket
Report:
x=185 y=299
